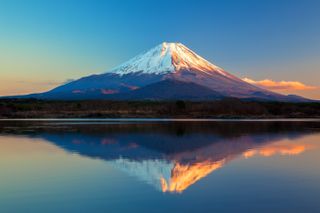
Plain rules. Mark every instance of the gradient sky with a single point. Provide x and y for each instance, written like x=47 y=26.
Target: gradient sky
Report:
x=44 y=43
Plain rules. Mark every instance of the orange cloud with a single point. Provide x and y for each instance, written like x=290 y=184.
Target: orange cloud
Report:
x=278 y=148
x=279 y=85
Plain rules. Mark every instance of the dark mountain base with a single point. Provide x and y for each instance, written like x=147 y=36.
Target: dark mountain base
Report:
x=227 y=108
x=171 y=90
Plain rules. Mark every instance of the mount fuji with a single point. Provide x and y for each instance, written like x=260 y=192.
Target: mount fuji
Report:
x=169 y=71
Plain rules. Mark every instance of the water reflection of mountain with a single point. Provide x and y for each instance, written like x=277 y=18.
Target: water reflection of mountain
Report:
x=172 y=156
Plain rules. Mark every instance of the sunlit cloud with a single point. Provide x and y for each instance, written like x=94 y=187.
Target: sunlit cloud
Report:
x=278 y=148
x=280 y=85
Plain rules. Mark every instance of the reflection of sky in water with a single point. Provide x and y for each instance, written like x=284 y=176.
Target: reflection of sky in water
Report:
x=91 y=172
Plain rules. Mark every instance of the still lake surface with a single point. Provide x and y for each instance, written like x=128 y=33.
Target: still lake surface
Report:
x=159 y=166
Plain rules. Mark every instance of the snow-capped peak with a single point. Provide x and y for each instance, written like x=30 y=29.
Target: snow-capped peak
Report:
x=166 y=58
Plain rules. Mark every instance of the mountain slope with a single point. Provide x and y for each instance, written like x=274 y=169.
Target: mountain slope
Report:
x=167 y=58
x=172 y=90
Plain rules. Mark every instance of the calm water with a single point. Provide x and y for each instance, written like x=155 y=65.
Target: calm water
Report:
x=159 y=166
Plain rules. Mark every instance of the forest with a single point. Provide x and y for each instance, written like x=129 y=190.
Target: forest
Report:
x=227 y=108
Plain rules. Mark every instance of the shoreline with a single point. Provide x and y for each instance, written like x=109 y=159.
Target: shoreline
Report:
x=168 y=119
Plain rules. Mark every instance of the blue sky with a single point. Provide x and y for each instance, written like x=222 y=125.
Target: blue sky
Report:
x=46 y=42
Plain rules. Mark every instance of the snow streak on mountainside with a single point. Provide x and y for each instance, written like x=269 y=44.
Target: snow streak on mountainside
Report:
x=167 y=58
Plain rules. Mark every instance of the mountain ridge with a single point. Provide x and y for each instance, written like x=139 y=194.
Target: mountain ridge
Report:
x=167 y=62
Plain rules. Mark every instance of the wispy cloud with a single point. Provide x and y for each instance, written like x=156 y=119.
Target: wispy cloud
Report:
x=280 y=85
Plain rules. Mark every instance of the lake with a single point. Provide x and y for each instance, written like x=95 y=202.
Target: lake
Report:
x=159 y=165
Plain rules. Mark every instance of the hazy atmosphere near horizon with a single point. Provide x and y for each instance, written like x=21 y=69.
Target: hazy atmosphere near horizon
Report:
x=272 y=44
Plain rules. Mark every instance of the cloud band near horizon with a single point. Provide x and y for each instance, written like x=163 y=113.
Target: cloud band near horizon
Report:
x=280 y=85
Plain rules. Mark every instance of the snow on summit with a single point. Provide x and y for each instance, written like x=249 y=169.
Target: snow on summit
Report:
x=166 y=58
